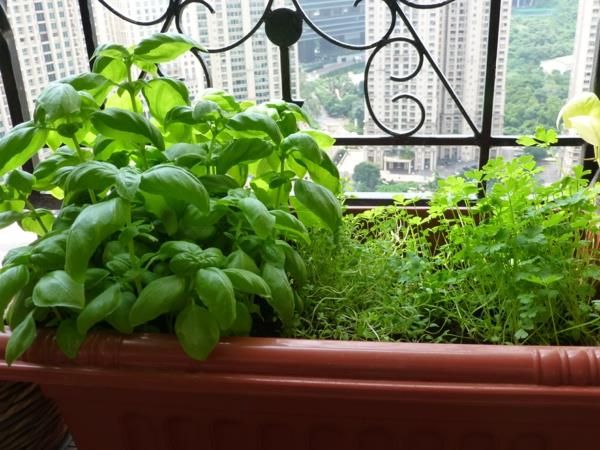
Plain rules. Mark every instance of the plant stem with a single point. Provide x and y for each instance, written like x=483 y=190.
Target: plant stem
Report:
x=281 y=170
x=81 y=156
x=130 y=90
x=35 y=216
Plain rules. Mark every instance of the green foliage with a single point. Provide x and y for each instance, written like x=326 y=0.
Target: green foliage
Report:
x=337 y=95
x=519 y=266
x=158 y=228
x=367 y=176
x=533 y=97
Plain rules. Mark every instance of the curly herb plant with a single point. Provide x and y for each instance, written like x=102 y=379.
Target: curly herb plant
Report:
x=517 y=266
x=175 y=216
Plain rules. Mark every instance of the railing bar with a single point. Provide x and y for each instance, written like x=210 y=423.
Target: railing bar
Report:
x=89 y=28
x=437 y=70
x=424 y=140
x=490 y=82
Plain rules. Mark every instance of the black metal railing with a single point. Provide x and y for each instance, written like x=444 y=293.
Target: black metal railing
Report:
x=283 y=27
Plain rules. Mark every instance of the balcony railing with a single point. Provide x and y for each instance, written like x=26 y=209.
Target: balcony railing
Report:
x=283 y=27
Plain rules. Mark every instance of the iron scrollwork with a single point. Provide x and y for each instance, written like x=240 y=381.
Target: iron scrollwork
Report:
x=175 y=9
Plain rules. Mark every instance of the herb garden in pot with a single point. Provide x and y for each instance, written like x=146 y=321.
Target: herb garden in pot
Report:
x=186 y=227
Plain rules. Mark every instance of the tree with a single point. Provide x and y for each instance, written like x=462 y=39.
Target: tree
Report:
x=367 y=176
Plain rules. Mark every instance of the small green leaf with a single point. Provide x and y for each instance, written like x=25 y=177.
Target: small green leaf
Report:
x=94 y=224
x=12 y=280
x=163 y=47
x=187 y=155
x=257 y=214
x=157 y=298
x=303 y=144
x=114 y=51
x=242 y=150
x=19 y=145
x=38 y=222
x=59 y=101
x=323 y=139
x=290 y=225
x=163 y=94
x=95 y=175
x=216 y=291
x=197 y=331
x=9 y=217
x=119 y=318
x=248 y=282
x=22 y=181
x=175 y=182
x=205 y=111
x=282 y=296
x=294 y=264
x=241 y=260
x=255 y=122
x=243 y=321
x=320 y=202
x=173 y=248
x=225 y=101
x=127 y=126
x=127 y=183
x=58 y=289
x=93 y=83
x=21 y=339
x=526 y=141
x=99 y=308
x=68 y=338
x=112 y=69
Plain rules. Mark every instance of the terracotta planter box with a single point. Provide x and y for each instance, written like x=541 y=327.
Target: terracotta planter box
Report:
x=143 y=393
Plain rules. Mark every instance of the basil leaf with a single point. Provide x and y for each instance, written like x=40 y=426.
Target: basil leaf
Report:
x=22 y=181
x=163 y=94
x=12 y=280
x=21 y=339
x=112 y=69
x=282 y=296
x=33 y=221
x=175 y=182
x=119 y=318
x=319 y=201
x=127 y=183
x=197 y=331
x=248 y=282
x=163 y=47
x=243 y=321
x=68 y=338
x=9 y=217
x=290 y=225
x=216 y=291
x=305 y=145
x=157 y=298
x=95 y=175
x=255 y=122
x=58 y=288
x=127 y=126
x=59 y=101
x=257 y=214
x=93 y=224
x=242 y=150
x=241 y=260
x=18 y=146
x=99 y=308
x=93 y=83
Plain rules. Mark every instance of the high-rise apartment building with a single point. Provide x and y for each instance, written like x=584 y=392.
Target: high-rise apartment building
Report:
x=337 y=18
x=586 y=37
x=50 y=45
x=456 y=36
x=249 y=71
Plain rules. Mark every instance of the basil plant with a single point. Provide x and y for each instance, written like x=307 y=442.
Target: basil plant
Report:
x=175 y=216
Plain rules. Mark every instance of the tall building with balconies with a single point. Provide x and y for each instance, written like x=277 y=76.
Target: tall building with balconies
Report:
x=456 y=36
x=250 y=70
x=50 y=45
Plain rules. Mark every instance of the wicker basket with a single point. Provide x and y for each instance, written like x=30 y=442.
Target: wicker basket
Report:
x=28 y=420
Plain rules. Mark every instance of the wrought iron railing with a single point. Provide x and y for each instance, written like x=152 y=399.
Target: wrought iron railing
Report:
x=283 y=27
